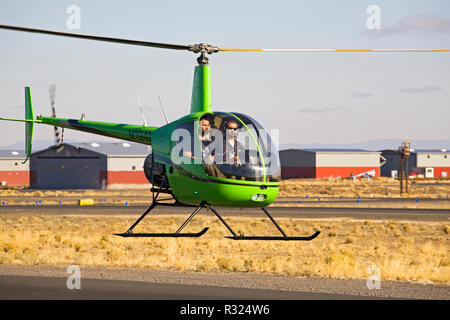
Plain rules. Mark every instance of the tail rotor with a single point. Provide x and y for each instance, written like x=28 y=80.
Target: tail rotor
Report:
x=52 y=90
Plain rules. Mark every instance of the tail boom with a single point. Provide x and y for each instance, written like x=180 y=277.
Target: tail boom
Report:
x=130 y=132
x=134 y=133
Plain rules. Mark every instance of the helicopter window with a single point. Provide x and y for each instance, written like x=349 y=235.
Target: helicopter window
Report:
x=184 y=143
x=223 y=153
x=236 y=151
x=267 y=148
x=232 y=146
x=188 y=137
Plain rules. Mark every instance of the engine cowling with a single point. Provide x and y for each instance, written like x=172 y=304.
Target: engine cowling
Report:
x=158 y=171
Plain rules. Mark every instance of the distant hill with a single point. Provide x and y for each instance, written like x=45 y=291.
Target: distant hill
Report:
x=43 y=144
x=372 y=145
x=37 y=145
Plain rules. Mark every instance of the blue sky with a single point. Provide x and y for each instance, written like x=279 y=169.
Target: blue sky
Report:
x=310 y=97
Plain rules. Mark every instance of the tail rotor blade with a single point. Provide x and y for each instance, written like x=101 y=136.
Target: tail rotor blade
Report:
x=52 y=91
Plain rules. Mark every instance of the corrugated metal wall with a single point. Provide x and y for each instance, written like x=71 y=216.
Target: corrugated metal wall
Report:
x=67 y=167
x=126 y=170
x=425 y=160
x=347 y=159
x=323 y=164
x=297 y=164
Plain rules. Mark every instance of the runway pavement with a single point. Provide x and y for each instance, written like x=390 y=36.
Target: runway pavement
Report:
x=34 y=287
x=277 y=211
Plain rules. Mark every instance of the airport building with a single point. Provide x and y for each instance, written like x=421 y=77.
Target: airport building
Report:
x=111 y=165
x=326 y=163
x=12 y=171
x=89 y=166
x=428 y=163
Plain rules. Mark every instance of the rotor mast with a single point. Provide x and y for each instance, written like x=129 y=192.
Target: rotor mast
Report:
x=201 y=87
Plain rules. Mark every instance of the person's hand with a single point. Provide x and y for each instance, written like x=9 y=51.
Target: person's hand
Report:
x=189 y=155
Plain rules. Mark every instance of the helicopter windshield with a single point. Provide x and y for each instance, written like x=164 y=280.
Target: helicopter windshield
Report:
x=235 y=146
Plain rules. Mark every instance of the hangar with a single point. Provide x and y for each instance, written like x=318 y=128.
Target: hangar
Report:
x=89 y=166
x=433 y=163
x=429 y=163
x=326 y=163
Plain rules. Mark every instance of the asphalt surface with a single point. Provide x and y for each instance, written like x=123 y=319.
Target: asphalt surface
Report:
x=50 y=282
x=43 y=288
x=285 y=212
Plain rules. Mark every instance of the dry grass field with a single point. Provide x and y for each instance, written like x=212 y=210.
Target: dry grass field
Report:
x=378 y=187
x=409 y=251
x=427 y=190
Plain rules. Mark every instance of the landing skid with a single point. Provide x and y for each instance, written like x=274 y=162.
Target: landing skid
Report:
x=164 y=188
x=284 y=237
x=287 y=238
x=235 y=236
x=163 y=235
x=177 y=234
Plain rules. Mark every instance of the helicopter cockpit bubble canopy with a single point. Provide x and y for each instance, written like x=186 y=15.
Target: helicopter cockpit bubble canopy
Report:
x=227 y=145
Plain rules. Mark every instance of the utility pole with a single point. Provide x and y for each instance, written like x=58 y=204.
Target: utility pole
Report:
x=404 y=151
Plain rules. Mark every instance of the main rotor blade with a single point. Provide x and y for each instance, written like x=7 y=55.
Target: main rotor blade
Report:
x=333 y=50
x=98 y=38
x=201 y=47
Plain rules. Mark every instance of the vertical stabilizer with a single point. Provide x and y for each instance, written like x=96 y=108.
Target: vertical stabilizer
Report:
x=29 y=126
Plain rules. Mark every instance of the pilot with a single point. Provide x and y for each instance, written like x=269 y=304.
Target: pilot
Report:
x=232 y=148
x=203 y=136
x=227 y=165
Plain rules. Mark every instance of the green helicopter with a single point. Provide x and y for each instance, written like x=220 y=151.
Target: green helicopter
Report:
x=204 y=159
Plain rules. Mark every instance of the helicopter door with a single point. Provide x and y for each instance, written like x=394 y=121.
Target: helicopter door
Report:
x=241 y=148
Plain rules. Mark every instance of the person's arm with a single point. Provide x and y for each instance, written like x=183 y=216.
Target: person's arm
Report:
x=189 y=155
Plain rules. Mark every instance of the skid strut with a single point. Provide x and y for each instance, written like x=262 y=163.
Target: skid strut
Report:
x=177 y=234
x=163 y=188
x=235 y=236
x=284 y=237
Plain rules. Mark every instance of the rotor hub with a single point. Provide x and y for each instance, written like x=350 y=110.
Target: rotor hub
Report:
x=203 y=49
